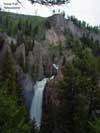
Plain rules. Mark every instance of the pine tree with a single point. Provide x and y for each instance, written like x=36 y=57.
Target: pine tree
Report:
x=13 y=116
x=95 y=126
x=9 y=72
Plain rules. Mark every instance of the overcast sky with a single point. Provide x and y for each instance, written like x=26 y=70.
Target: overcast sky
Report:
x=88 y=10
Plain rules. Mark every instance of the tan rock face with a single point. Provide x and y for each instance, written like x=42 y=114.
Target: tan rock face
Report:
x=53 y=37
x=57 y=22
x=57 y=26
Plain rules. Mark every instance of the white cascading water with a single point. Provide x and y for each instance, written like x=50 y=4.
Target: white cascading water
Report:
x=36 y=107
x=55 y=66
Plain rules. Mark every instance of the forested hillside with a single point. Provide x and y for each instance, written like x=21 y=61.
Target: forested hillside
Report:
x=34 y=48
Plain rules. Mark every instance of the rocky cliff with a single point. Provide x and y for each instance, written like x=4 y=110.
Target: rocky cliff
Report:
x=34 y=59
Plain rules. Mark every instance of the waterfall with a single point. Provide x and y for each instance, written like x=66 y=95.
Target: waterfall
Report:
x=55 y=66
x=36 y=107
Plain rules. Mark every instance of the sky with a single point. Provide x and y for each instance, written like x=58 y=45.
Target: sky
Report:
x=88 y=10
